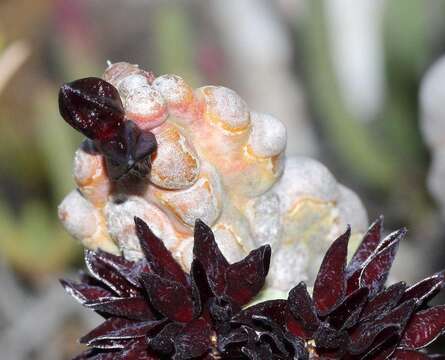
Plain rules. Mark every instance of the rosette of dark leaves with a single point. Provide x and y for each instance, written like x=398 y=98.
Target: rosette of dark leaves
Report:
x=154 y=310
x=353 y=315
x=93 y=107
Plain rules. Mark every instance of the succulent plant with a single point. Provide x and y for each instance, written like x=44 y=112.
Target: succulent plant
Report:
x=153 y=309
x=214 y=160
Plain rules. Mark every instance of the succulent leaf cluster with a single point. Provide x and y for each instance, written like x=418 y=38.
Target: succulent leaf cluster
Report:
x=154 y=310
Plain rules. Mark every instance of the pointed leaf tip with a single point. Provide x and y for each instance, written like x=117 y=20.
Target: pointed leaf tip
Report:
x=330 y=284
x=367 y=246
x=159 y=258
x=207 y=252
x=246 y=278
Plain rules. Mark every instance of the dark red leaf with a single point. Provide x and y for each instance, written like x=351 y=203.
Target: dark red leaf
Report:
x=384 y=301
x=275 y=310
x=163 y=341
x=426 y=289
x=376 y=271
x=194 y=340
x=206 y=251
x=347 y=313
x=136 y=308
x=92 y=106
x=366 y=247
x=236 y=337
x=118 y=329
x=159 y=258
x=83 y=292
x=138 y=350
x=384 y=345
x=128 y=269
x=364 y=335
x=424 y=327
x=245 y=278
x=170 y=298
x=353 y=282
x=102 y=271
x=330 y=284
x=302 y=307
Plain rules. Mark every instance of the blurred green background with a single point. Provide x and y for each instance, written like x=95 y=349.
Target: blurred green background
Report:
x=343 y=75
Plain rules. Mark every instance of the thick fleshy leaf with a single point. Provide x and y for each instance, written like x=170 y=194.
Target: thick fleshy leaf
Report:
x=424 y=327
x=193 y=341
x=302 y=307
x=275 y=310
x=163 y=341
x=234 y=337
x=170 y=298
x=159 y=258
x=376 y=271
x=353 y=282
x=330 y=284
x=364 y=335
x=206 y=251
x=101 y=270
x=129 y=151
x=366 y=247
x=84 y=292
x=384 y=301
x=136 y=350
x=245 y=278
x=92 y=106
x=426 y=289
x=201 y=292
x=136 y=308
x=128 y=269
x=119 y=328
x=384 y=345
x=347 y=313
x=327 y=337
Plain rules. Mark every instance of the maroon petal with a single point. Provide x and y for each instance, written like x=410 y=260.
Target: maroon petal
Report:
x=245 y=278
x=347 y=313
x=384 y=301
x=206 y=251
x=92 y=106
x=135 y=308
x=376 y=271
x=159 y=258
x=424 y=327
x=193 y=341
x=102 y=271
x=330 y=284
x=83 y=292
x=170 y=298
x=118 y=329
x=426 y=289
x=367 y=246
x=302 y=307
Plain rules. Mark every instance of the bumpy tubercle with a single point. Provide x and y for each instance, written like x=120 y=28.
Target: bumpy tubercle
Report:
x=218 y=161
